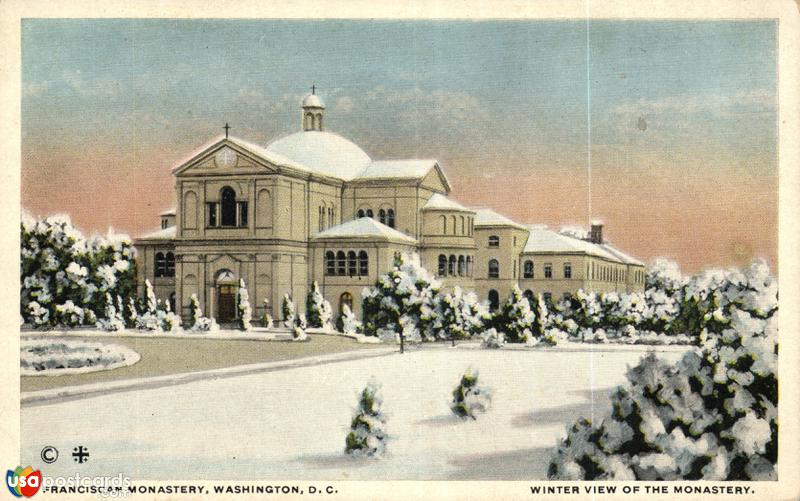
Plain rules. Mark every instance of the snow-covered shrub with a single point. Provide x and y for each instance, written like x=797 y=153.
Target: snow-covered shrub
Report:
x=470 y=399
x=68 y=314
x=267 y=321
x=456 y=315
x=199 y=322
x=367 y=436
x=515 y=318
x=492 y=339
x=350 y=324
x=318 y=308
x=288 y=311
x=113 y=319
x=59 y=265
x=713 y=415
x=299 y=333
x=38 y=315
x=148 y=319
x=243 y=307
x=664 y=275
x=399 y=298
x=170 y=322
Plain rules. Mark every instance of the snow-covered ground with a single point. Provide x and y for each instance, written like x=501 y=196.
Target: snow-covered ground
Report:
x=292 y=424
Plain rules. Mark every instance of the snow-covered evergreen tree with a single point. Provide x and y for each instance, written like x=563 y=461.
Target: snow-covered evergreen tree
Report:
x=350 y=324
x=318 y=308
x=515 y=318
x=148 y=319
x=456 y=315
x=288 y=311
x=112 y=320
x=367 y=436
x=713 y=415
x=170 y=322
x=398 y=299
x=541 y=322
x=469 y=398
x=243 y=307
x=199 y=322
x=492 y=339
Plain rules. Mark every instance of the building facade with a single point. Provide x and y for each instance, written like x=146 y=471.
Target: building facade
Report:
x=313 y=206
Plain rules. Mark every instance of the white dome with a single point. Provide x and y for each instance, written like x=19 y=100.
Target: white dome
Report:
x=313 y=101
x=323 y=152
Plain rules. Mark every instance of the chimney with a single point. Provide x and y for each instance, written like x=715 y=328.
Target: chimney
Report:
x=596 y=233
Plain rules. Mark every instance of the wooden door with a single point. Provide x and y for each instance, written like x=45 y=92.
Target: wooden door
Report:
x=227 y=304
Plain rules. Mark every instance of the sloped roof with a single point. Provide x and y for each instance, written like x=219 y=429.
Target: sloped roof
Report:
x=407 y=169
x=625 y=258
x=364 y=227
x=488 y=217
x=165 y=234
x=168 y=212
x=541 y=239
x=259 y=151
x=439 y=201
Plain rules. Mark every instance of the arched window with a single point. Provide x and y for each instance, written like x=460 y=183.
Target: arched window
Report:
x=352 y=263
x=382 y=216
x=527 y=269
x=390 y=218
x=319 y=121
x=494 y=299
x=494 y=268
x=345 y=299
x=172 y=302
x=309 y=121
x=463 y=226
x=322 y=218
x=363 y=263
x=444 y=224
x=494 y=241
x=169 y=269
x=462 y=266
x=330 y=263
x=442 y=265
x=469 y=266
x=451 y=266
x=528 y=295
x=161 y=264
x=228 y=206
x=360 y=213
x=453 y=224
x=369 y=213
x=341 y=263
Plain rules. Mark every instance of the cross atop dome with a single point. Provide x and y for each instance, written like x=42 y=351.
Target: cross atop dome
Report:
x=313 y=110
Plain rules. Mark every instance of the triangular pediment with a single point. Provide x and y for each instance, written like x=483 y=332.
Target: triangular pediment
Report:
x=225 y=156
x=436 y=180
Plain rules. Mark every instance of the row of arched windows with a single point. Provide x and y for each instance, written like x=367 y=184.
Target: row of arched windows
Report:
x=385 y=216
x=351 y=263
x=453 y=225
x=165 y=264
x=455 y=266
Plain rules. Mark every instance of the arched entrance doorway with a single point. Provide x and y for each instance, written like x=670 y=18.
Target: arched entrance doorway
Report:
x=226 y=296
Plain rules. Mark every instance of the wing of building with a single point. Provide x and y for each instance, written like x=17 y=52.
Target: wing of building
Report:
x=313 y=206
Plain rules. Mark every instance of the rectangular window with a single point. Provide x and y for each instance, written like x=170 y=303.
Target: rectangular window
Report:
x=548 y=270
x=567 y=270
x=212 y=214
x=494 y=241
x=242 y=213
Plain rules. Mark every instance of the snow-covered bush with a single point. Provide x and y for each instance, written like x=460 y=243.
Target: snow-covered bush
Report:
x=350 y=324
x=469 y=398
x=713 y=415
x=515 y=318
x=148 y=319
x=367 y=436
x=267 y=321
x=318 y=308
x=399 y=299
x=170 y=322
x=492 y=339
x=60 y=267
x=199 y=322
x=456 y=315
x=288 y=311
x=299 y=333
x=243 y=307
x=113 y=319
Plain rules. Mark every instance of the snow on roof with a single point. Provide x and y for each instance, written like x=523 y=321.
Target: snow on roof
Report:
x=322 y=152
x=626 y=258
x=257 y=150
x=313 y=101
x=165 y=234
x=544 y=240
x=488 y=217
x=439 y=201
x=364 y=227
x=398 y=169
x=168 y=212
